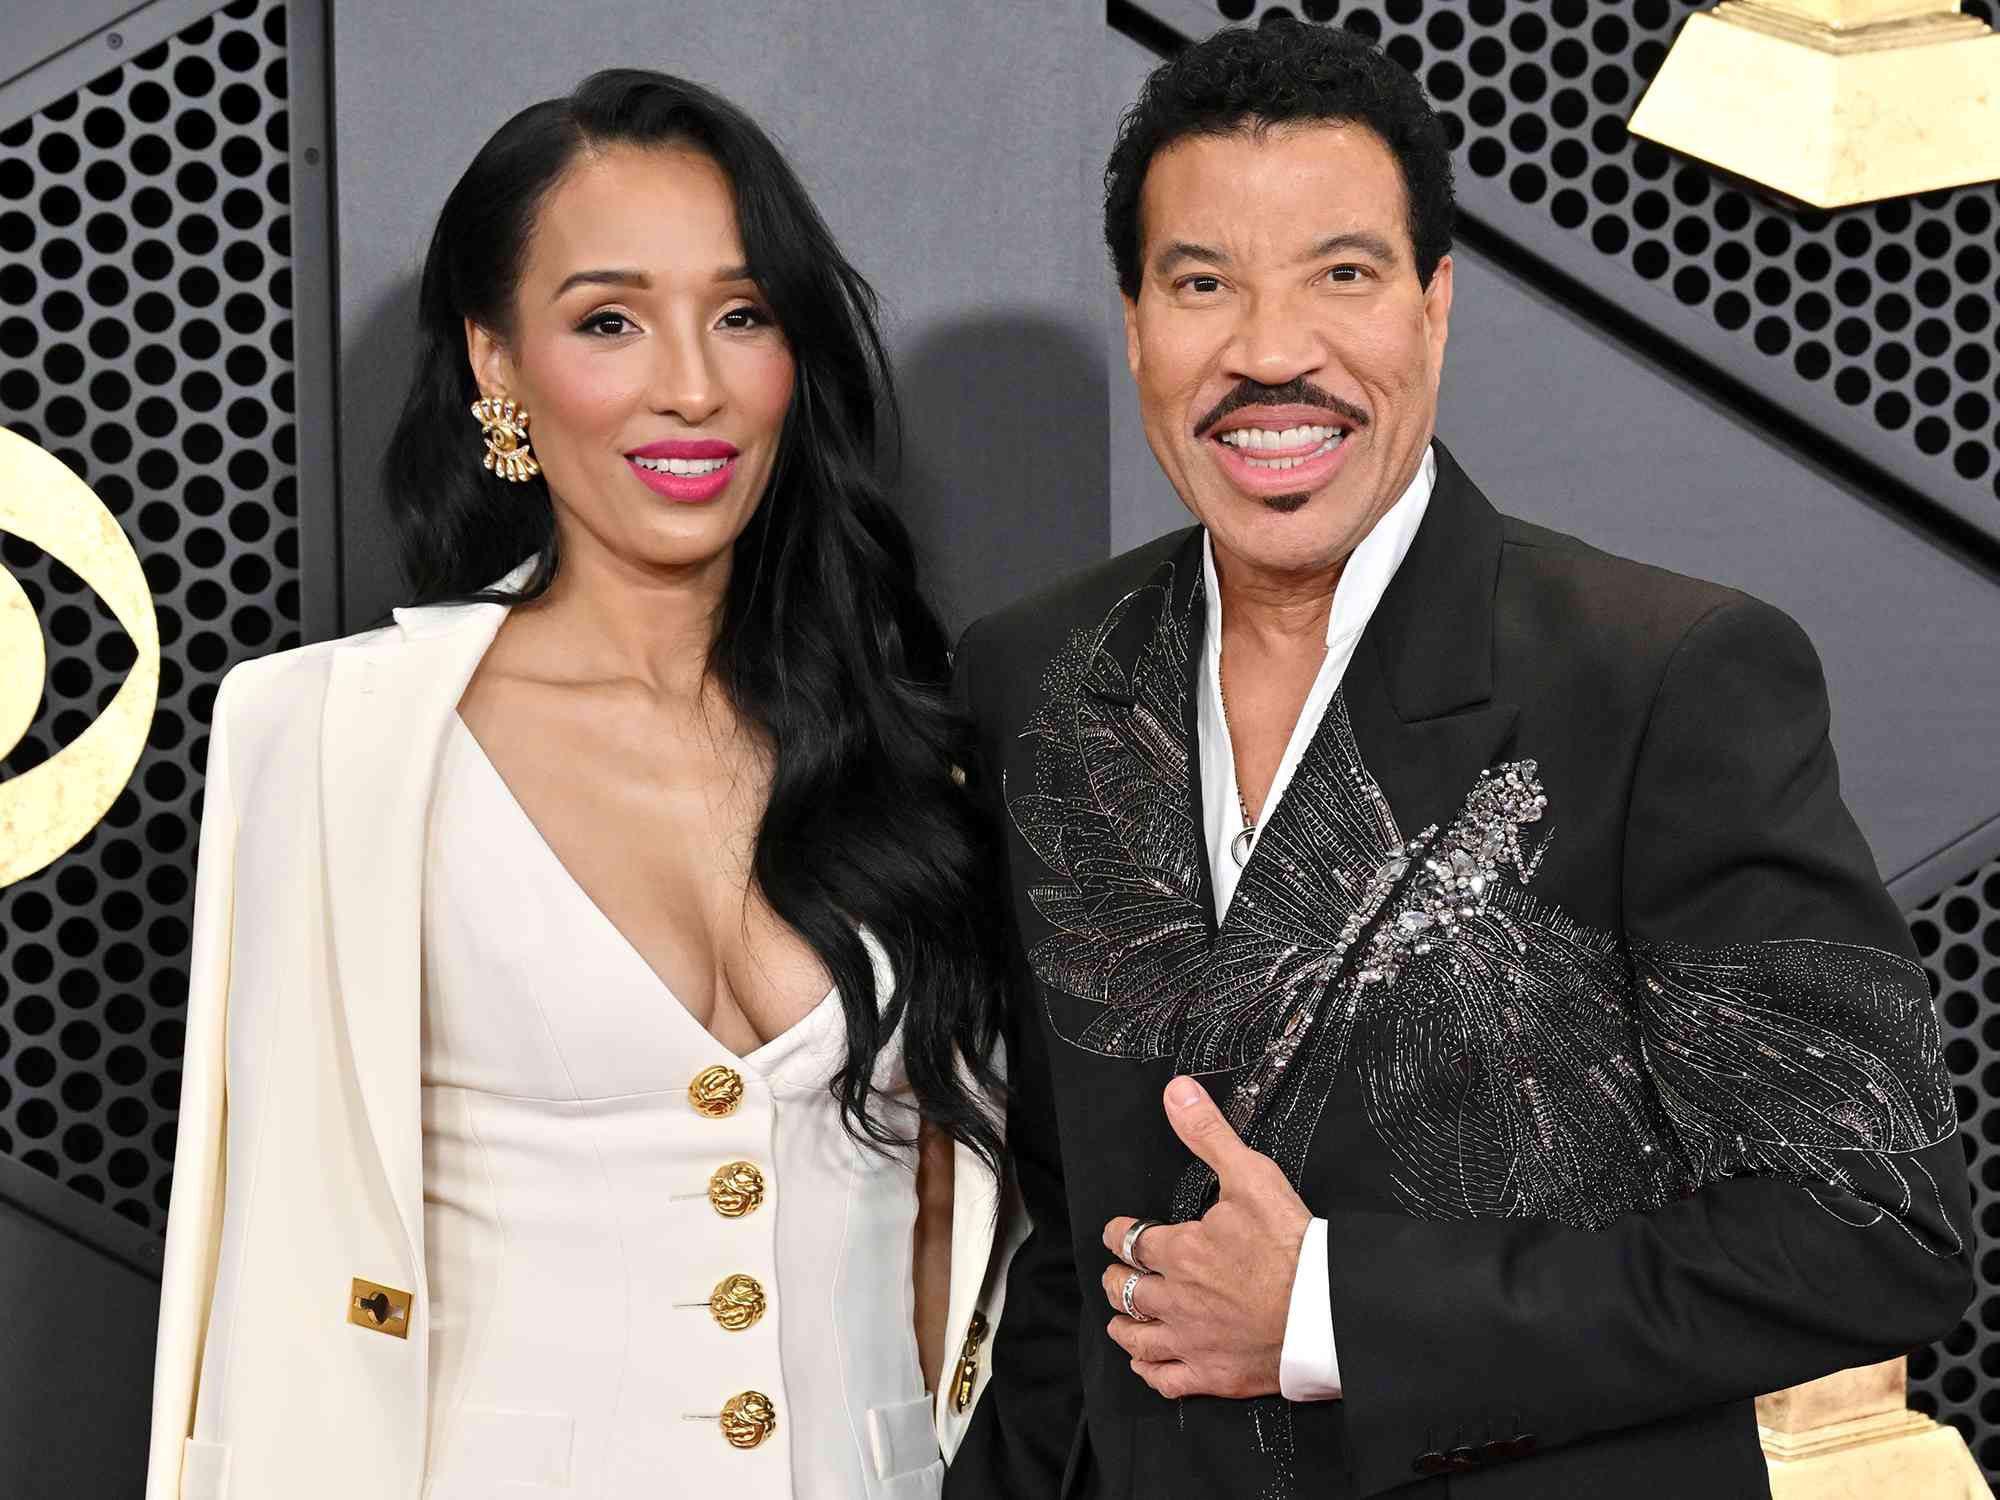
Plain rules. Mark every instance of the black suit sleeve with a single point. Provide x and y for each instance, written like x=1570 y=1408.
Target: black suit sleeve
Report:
x=1775 y=981
x=1022 y=1433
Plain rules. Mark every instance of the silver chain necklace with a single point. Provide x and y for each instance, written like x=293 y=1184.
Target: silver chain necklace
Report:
x=1246 y=836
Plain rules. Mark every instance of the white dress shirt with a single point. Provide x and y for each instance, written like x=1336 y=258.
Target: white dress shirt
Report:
x=1309 y=1366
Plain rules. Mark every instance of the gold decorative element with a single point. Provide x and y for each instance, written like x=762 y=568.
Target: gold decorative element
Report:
x=736 y=1189
x=1832 y=102
x=748 y=1419
x=1850 y=1434
x=503 y=422
x=737 y=1302
x=967 y=1374
x=716 y=1091
x=48 y=808
x=378 y=1308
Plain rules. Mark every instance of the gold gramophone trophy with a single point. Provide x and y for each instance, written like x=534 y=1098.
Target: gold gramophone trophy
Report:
x=1832 y=102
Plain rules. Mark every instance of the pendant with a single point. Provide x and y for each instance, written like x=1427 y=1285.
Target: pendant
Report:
x=1239 y=847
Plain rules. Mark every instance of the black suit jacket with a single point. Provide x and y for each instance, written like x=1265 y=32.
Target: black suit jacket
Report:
x=1560 y=983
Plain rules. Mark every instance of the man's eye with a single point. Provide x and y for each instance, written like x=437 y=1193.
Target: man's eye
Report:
x=1202 y=284
x=1344 y=273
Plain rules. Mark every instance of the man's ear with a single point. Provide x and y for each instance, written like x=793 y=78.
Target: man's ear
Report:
x=1131 y=335
x=1437 y=312
x=492 y=366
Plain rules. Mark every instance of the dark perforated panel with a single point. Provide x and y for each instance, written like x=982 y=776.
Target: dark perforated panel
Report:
x=145 y=286
x=1958 y=936
x=1878 y=324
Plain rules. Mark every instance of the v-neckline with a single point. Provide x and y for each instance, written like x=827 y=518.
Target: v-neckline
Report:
x=764 y=1054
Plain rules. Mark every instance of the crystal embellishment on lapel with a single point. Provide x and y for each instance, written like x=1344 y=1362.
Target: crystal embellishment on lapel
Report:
x=1460 y=872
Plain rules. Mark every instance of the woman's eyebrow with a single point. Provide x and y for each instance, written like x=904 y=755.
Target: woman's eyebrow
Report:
x=637 y=279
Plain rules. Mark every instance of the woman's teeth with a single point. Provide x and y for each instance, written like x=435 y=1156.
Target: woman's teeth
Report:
x=681 y=465
x=1248 y=440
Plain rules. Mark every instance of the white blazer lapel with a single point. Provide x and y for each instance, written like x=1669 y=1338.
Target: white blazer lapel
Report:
x=389 y=702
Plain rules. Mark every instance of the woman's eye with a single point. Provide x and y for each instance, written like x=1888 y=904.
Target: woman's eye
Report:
x=607 y=324
x=745 y=317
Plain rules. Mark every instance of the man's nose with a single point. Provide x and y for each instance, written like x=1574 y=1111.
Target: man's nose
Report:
x=1274 y=342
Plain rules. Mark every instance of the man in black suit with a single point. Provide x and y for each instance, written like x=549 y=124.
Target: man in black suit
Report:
x=1462 y=1044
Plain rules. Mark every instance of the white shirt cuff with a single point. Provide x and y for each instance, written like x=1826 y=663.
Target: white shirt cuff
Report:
x=1308 y=1365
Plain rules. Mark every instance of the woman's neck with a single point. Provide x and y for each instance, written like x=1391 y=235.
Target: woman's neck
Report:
x=606 y=618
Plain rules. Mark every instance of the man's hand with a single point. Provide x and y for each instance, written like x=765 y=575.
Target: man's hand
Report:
x=1224 y=1284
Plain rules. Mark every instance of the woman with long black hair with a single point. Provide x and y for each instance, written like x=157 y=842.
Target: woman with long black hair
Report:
x=595 y=998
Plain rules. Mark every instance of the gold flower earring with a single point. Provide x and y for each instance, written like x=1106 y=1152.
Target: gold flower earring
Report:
x=504 y=425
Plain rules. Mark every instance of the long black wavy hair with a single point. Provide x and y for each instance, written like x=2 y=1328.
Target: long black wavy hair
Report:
x=825 y=642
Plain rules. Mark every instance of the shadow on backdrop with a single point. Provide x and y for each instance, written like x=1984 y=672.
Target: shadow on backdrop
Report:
x=1006 y=468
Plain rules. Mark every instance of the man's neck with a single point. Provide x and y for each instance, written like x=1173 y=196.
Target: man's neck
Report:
x=1279 y=613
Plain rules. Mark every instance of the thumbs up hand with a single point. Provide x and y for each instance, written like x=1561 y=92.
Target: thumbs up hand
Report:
x=1215 y=1296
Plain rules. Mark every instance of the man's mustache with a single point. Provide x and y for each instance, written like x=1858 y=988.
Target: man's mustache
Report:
x=1300 y=392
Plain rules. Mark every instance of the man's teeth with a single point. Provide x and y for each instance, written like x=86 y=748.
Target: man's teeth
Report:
x=681 y=465
x=1251 y=439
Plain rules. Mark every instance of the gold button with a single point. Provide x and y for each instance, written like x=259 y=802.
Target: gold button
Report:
x=716 y=1091
x=736 y=1189
x=748 y=1419
x=736 y=1302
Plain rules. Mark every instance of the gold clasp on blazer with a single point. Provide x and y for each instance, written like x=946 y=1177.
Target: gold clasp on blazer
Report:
x=381 y=1309
x=967 y=1373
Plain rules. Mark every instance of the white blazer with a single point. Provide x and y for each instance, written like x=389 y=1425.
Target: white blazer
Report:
x=298 y=1167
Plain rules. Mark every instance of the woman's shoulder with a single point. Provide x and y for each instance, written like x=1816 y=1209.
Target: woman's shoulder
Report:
x=273 y=689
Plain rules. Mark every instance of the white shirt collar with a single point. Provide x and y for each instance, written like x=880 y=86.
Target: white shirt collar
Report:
x=1370 y=566
x=1364 y=580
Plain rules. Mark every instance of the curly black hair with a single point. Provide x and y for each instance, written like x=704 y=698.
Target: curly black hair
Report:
x=1252 y=78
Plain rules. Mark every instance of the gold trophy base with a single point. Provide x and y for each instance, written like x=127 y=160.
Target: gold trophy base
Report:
x=1850 y=1436
x=1831 y=115
x=1904 y=1454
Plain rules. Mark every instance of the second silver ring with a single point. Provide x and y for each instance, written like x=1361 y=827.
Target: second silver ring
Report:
x=1125 y=1297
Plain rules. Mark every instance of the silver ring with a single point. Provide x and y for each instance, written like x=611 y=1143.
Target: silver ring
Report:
x=1129 y=1250
x=1125 y=1296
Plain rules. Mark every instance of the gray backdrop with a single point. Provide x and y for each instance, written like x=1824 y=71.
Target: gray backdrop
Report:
x=940 y=142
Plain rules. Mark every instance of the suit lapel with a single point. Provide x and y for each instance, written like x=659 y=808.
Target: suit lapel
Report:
x=1173 y=590
x=389 y=702
x=1420 y=688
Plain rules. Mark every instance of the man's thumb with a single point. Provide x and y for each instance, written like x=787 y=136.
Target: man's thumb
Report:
x=1202 y=1127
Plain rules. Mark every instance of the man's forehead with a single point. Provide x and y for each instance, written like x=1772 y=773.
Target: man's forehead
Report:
x=1340 y=150
x=1203 y=185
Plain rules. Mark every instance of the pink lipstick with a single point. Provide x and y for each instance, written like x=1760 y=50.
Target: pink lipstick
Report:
x=688 y=471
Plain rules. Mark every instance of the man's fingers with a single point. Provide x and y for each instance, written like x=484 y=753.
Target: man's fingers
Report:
x=1204 y=1131
x=1169 y=1377
x=1146 y=1292
x=1156 y=1249
x=1148 y=1341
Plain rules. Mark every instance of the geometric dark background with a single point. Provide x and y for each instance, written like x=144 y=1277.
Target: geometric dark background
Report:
x=1958 y=938
x=145 y=340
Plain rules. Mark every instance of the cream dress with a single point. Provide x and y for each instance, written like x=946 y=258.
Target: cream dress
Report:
x=580 y=1212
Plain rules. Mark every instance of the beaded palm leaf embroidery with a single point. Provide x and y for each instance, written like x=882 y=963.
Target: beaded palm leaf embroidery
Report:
x=1513 y=1061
